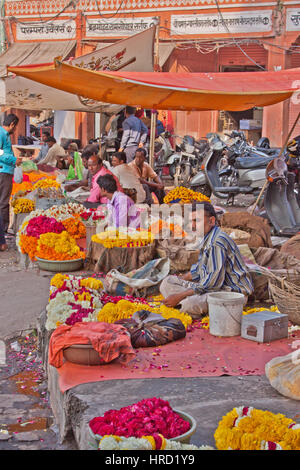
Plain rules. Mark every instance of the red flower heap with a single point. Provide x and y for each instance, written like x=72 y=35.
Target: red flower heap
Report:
x=150 y=416
x=43 y=224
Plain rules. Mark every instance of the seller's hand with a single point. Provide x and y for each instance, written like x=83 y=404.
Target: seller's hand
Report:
x=19 y=161
x=141 y=145
x=186 y=276
x=173 y=300
x=120 y=150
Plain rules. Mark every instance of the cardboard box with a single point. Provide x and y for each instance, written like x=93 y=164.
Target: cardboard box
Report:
x=264 y=326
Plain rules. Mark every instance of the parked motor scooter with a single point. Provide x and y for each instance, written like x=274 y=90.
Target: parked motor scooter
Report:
x=243 y=174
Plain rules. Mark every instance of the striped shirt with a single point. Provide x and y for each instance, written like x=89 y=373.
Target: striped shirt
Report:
x=220 y=266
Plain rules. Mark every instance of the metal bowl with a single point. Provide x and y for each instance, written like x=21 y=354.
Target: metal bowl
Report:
x=60 y=265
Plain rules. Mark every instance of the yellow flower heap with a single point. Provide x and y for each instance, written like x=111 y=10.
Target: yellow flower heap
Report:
x=46 y=183
x=116 y=238
x=184 y=195
x=58 y=246
x=246 y=428
x=23 y=205
x=124 y=309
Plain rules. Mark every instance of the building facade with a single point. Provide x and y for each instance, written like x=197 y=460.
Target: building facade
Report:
x=194 y=36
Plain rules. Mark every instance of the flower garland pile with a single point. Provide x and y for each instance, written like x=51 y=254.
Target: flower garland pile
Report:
x=162 y=228
x=51 y=234
x=72 y=299
x=92 y=216
x=46 y=183
x=150 y=416
x=155 y=442
x=124 y=309
x=116 y=238
x=184 y=196
x=247 y=428
x=23 y=205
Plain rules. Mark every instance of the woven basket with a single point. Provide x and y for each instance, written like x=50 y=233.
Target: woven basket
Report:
x=285 y=293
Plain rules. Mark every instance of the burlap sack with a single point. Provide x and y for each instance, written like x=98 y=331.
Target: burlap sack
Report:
x=292 y=246
x=180 y=258
x=283 y=374
x=257 y=227
x=101 y=259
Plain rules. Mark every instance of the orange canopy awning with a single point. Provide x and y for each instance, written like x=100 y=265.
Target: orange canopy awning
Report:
x=233 y=91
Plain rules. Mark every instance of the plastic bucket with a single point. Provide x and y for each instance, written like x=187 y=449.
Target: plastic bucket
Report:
x=225 y=313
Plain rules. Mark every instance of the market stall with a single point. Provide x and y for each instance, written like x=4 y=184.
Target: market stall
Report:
x=168 y=341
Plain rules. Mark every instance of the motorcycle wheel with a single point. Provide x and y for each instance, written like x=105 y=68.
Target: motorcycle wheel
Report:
x=263 y=142
x=203 y=189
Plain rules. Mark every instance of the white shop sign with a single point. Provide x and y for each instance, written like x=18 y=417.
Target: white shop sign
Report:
x=117 y=27
x=293 y=19
x=240 y=22
x=59 y=29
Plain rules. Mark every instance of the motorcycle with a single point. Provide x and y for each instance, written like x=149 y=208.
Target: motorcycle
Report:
x=186 y=161
x=163 y=150
x=232 y=168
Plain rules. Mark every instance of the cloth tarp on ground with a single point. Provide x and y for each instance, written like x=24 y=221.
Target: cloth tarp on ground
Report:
x=199 y=354
x=232 y=91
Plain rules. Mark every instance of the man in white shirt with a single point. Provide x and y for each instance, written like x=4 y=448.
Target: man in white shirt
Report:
x=126 y=176
x=55 y=150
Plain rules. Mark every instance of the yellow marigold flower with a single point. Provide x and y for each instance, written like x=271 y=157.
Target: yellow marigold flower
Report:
x=58 y=280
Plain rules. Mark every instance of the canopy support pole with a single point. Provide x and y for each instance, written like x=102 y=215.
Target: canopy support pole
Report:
x=152 y=138
x=279 y=156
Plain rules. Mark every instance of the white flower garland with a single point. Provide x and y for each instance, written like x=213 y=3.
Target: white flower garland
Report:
x=111 y=442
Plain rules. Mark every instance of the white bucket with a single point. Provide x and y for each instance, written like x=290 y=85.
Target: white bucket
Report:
x=225 y=313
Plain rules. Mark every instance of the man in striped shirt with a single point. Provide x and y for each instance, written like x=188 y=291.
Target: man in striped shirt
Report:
x=220 y=267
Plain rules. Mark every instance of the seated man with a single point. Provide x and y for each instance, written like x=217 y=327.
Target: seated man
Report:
x=150 y=180
x=220 y=267
x=126 y=175
x=55 y=151
x=96 y=168
x=122 y=211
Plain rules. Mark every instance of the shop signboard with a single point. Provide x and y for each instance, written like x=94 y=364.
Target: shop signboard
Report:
x=58 y=29
x=259 y=21
x=293 y=19
x=96 y=27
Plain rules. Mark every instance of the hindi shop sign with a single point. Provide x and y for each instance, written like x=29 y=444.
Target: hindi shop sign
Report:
x=293 y=19
x=240 y=22
x=121 y=27
x=59 y=29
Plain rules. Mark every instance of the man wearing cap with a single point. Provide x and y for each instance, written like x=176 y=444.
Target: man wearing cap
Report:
x=220 y=267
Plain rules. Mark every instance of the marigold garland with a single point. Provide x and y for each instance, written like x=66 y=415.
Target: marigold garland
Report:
x=116 y=238
x=58 y=246
x=184 y=196
x=247 y=428
x=46 y=183
x=22 y=205
x=74 y=227
x=124 y=309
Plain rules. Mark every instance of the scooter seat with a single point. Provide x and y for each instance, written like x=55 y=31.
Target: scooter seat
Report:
x=233 y=189
x=245 y=163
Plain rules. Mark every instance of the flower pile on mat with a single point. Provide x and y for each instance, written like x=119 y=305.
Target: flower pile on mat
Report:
x=147 y=417
x=117 y=238
x=25 y=186
x=92 y=216
x=46 y=183
x=29 y=179
x=23 y=205
x=155 y=442
x=184 y=196
x=204 y=322
x=73 y=299
x=247 y=428
x=51 y=234
x=124 y=309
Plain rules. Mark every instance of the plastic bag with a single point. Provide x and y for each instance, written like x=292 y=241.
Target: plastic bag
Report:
x=29 y=166
x=18 y=175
